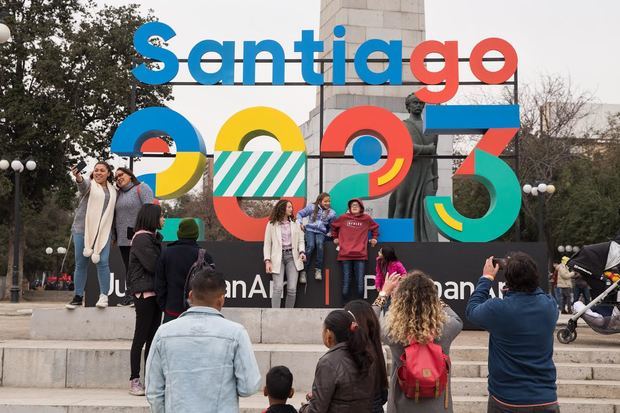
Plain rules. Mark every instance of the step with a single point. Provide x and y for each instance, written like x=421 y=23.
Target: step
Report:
x=45 y=400
x=561 y=354
x=600 y=389
x=569 y=371
x=469 y=404
x=264 y=325
x=105 y=364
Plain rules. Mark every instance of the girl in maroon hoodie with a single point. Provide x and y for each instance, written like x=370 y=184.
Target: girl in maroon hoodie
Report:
x=350 y=233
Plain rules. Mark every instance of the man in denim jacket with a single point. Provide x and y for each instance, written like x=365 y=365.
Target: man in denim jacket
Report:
x=201 y=362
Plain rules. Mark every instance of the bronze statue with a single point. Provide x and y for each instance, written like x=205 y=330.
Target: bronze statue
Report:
x=407 y=201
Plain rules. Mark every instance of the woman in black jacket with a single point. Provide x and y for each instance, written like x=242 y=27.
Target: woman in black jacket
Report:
x=145 y=250
x=346 y=376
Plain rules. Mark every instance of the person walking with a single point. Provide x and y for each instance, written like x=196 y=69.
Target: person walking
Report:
x=565 y=285
x=143 y=256
x=91 y=231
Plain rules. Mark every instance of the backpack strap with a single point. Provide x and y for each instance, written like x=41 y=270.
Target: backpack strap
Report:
x=201 y=255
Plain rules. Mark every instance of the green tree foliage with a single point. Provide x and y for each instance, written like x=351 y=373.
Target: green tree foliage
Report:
x=65 y=86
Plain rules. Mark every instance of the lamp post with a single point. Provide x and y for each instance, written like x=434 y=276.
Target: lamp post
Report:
x=18 y=167
x=59 y=252
x=569 y=249
x=538 y=191
x=5 y=32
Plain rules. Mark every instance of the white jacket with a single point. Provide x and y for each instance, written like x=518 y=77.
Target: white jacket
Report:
x=272 y=248
x=565 y=277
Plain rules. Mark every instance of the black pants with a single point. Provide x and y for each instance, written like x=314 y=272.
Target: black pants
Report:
x=168 y=317
x=125 y=255
x=148 y=319
x=495 y=407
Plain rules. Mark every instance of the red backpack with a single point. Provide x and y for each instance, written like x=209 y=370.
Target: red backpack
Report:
x=424 y=371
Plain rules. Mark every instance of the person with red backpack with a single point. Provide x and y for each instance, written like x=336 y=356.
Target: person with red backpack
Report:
x=173 y=267
x=419 y=328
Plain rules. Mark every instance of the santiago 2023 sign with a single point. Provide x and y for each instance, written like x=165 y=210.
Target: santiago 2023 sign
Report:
x=239 y=173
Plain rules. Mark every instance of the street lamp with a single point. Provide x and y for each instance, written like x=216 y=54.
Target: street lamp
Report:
x=568 y=249
x=59 y=252
x=536 y=190
x=5 y=33
x=18 y=167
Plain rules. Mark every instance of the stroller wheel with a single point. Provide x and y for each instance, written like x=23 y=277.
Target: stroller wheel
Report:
x=566 y=336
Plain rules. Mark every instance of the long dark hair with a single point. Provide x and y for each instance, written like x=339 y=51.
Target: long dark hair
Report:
x=367 y=319
x=129 y=172
x=148 y=218
x=389 y=255
x=109 y=167
x=279 y=212
x=346 y=329
x=318 y=201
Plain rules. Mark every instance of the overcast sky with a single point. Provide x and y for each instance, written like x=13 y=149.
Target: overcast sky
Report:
x=575 y=39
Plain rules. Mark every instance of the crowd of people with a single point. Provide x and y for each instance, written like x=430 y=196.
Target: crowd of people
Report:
x=198 y=361
x=202 y=359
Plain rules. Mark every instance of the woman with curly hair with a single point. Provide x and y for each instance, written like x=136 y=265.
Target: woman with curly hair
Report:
x=283 y=252
x=415 y=314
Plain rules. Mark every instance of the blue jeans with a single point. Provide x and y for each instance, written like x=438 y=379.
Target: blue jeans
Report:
x=350 y=268
x=577 y=291
x=81 y=267
x=314 y=240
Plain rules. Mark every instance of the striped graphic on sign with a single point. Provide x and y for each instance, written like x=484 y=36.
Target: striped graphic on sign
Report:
x=259 y=174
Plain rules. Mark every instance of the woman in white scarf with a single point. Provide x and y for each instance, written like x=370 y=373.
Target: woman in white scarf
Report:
x=91 y=231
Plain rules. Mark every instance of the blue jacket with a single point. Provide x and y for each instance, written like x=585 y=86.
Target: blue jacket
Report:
x=323 y=219
x=200 y=363
x=521 y=327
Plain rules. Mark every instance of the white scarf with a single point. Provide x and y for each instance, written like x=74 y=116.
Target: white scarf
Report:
x=98 y=226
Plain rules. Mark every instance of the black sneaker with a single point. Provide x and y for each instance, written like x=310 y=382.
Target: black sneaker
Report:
x=76 y=302
x=127 y=301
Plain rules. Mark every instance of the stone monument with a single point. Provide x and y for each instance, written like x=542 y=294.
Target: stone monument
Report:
x=363 y=20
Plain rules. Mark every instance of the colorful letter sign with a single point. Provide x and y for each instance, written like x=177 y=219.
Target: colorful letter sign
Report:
x=240 y=173
x=500 y=123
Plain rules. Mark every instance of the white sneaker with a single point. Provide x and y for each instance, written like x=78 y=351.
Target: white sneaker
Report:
x=102 y=302
x=317 y=274
x=302 y=277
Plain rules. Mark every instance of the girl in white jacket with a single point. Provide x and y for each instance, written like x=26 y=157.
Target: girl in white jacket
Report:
x=283 y=252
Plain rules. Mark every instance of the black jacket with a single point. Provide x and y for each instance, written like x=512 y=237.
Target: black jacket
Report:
x=338 y=385
x=172 y=268
x=145 y=250
x=281 y=408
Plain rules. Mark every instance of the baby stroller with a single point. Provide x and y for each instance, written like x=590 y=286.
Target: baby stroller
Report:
x=598 y=265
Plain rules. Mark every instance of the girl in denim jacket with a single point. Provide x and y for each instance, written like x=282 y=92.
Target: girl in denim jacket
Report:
x=320 y=216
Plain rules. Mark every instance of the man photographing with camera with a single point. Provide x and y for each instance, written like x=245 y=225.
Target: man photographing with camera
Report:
x=521 y=326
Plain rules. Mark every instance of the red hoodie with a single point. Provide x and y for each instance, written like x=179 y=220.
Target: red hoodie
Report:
x=352 y=233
